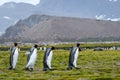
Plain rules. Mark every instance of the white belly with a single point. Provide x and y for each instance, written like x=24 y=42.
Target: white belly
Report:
x=32 y=59
x=75 y=58
x=49 y=59
x=15 y=58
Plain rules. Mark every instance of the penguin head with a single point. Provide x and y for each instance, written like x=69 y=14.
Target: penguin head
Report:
x=35 y=45
x=52 y=48
x=77 y=44
x=15 y=44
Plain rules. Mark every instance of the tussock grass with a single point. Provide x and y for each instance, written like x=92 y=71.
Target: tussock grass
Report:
x=95 y=65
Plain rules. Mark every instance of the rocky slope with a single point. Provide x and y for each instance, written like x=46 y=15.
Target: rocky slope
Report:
x=53 y=28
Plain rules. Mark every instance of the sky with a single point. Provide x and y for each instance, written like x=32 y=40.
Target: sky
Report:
x=34 y=2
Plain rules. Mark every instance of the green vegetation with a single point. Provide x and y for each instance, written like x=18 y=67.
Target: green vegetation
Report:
x=95 y=65
x=88 y=45
x=100 y=39
x=97 y=39
x=68 y=46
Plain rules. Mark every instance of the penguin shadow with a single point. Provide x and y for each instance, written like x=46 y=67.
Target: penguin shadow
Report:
x=38 y=70
x=12 y=69
x=68 y=69
x=62 y=69
x=29 y=70
x=53 y=69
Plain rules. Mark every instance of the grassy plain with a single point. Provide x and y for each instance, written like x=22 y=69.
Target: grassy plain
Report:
x=95 y=65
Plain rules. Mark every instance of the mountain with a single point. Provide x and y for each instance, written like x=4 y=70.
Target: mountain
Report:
x=11 y=12
x=52 y=28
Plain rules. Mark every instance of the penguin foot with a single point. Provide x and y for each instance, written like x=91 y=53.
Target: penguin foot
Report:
x=52 y=69
x=10 y=68
x=13 y=68
x=69 y=68
x=45 y=69
x=31 y=69
x=77 y=67
x=26 y=69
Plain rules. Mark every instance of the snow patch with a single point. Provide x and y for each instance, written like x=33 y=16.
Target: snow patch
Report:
x=103 y=17
x=113 y=0
x=114 y=19
x=1 y=33
x=100 y=17
x=6 y=17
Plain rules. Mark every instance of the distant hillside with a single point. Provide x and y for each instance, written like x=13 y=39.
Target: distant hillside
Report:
x=51 y=28
x=11 y=12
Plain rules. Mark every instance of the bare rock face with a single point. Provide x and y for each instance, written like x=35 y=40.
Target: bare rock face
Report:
x=52 y=28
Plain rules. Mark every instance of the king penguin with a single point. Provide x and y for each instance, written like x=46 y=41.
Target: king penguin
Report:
x=31 y=59
x=47 y=59
x=13 y=56
x=73 y=57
